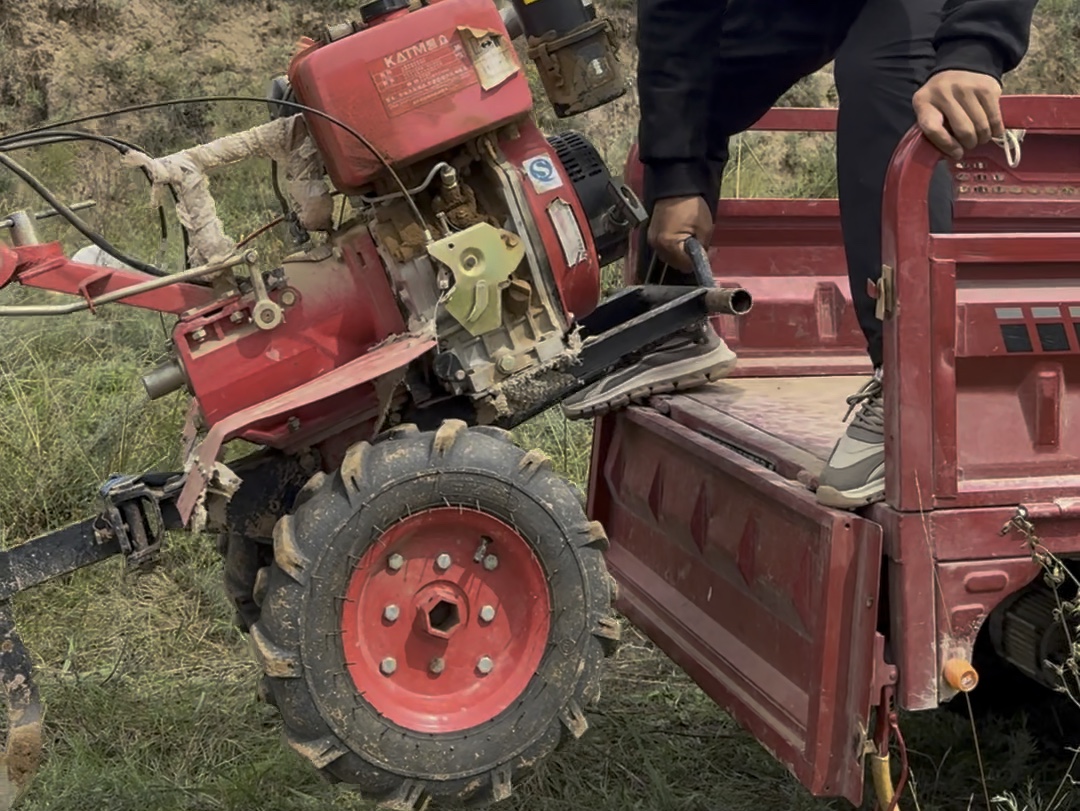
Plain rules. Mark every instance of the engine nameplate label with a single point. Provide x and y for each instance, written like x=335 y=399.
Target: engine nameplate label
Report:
x=422 y=73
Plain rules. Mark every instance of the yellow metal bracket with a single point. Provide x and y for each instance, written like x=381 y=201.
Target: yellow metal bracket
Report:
x=481 y=257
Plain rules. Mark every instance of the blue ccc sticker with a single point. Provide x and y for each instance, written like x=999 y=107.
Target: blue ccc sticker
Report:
x=542 y=169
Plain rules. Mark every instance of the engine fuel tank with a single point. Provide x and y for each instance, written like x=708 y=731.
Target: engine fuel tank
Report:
x=414 y=84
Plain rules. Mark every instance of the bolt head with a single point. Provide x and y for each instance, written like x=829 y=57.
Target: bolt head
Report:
x=238 y=317
x=487 y=613
x=437 y=666
x=395 y=562
x=507 y=364
x=391 y=613
x=491 y=563
x=443 y=561
x=388 y=665
x=198 y=335
x=485 y=665
x=288 y=297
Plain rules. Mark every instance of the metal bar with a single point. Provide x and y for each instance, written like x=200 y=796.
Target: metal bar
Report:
x=50 y=212
x=249 y=257
x=53 y=555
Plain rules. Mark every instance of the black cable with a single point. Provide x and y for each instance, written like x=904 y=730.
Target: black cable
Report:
x=123 y=147
x=248 y=99
x=73 y=218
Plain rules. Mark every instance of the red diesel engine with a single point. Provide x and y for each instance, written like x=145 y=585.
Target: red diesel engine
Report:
x=468 y=224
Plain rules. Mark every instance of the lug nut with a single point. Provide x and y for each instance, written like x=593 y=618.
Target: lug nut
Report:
x=491 y=563
x=395 y=562
x=391 y=613
x=487 y=613
x=388 y=665
x=437 y=666
x=443 y=561
x=485 y=665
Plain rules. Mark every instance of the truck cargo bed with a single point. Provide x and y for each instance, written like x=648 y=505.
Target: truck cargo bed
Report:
x=789 y=424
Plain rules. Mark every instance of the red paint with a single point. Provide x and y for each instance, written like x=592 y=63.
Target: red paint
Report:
x=460 y=697
x=339 y=314
x=578 y=282
x=790 y=252
x=323 y=407
x=973 y=430
x=45 y=267
x=760 y=597
x=409 y=86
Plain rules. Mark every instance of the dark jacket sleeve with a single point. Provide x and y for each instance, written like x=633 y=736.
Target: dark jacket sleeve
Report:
x=984 y=36
x=677 y=43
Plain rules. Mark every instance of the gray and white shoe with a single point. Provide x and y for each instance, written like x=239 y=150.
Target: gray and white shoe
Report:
x=855 y=473
x=683 y=362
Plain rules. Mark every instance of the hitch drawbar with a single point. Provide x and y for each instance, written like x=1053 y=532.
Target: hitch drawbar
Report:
x=137 y=512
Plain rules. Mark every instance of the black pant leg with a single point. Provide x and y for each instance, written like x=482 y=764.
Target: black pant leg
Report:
x=765 y=47
x=885 y=58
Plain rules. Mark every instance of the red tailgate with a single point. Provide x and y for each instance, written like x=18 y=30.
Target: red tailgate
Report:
x=765 y=598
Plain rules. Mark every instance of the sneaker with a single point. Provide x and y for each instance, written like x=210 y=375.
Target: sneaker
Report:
x=683 y=362
x=855 y=474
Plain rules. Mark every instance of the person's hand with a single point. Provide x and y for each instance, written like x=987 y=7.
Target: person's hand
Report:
x=958 y=110
x=673 y=220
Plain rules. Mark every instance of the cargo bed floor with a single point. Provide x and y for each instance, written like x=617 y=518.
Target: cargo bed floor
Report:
x=790 y=424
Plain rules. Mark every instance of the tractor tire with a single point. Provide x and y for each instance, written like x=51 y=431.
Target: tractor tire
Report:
x=436 y=617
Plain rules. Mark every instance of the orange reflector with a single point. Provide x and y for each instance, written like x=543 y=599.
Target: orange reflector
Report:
x=960 y=675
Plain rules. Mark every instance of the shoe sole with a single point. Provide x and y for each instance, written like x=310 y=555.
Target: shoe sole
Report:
x=646 y=389
x=851 y=499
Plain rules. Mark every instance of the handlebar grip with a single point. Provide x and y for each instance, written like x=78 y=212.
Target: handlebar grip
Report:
x=700 y=257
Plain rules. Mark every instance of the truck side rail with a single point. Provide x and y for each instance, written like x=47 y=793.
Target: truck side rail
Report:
x=789 y=252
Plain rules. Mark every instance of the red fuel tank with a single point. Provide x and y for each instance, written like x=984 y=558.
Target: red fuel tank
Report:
x=414 y=85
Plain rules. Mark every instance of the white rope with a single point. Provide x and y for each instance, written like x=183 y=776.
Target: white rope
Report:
x=1010 y=142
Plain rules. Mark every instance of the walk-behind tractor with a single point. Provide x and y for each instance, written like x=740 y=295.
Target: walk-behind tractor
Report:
x=428 y=602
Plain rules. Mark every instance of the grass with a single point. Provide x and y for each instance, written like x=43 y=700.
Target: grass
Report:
x=150 y=689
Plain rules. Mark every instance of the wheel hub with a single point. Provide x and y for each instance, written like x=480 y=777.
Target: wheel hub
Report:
x=459 y=602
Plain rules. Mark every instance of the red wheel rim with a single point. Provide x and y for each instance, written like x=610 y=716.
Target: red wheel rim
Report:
x=442 y=648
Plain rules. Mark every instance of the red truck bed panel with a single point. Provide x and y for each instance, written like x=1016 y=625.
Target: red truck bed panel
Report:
x=767 y=599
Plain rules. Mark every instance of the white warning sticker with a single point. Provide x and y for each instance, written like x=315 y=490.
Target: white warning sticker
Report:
x=566 y=227
x=543 y=174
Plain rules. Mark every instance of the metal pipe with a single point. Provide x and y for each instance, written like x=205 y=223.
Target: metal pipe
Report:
x=165 y=379
x=728 y=301
x=718 y=300
x=49 y=212
x=249 y=257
